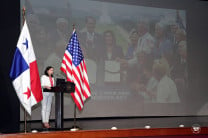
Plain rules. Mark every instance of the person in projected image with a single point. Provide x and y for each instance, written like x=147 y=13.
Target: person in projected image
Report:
x=47 y=81
x=145 y=43
x=60 y=40
x=91 y=40
x=176 y=35
x=163 y=46
x=166 y=89
x=151 y=83
x=140 y=78
x=133 y=38
x=111 y=53
x=142 y=58
x=180 y=35
x=62 y=30
x=173 y=27
x=179 y=72
x=92 y=44
x=111 y=50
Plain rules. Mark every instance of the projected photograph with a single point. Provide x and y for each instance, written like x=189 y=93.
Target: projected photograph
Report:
x=136 y=56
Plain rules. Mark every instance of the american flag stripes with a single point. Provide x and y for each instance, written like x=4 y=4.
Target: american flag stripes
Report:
x=73 y=65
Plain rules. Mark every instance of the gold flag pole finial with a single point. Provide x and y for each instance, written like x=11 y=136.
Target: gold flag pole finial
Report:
x=73 y=26
x=23 y=14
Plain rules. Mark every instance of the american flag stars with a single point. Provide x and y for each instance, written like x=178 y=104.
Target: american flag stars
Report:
x=75 y=50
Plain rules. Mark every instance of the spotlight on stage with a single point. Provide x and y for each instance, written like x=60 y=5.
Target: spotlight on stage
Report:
x=147 y=127
x=181 y=125
x=34 y=131
x=74 y=129
x=113 y=128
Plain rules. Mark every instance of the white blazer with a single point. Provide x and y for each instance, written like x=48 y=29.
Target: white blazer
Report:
x=45 y=81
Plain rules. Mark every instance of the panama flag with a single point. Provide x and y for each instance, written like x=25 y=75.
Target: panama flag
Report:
x=24 y=72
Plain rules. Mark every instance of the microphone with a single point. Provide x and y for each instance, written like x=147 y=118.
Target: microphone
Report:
x=59 y=75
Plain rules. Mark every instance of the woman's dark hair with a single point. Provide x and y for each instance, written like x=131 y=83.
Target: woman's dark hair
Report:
x=46 y=70
x=112 y=35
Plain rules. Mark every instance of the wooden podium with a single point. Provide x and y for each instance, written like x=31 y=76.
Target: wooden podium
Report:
x=61 y=87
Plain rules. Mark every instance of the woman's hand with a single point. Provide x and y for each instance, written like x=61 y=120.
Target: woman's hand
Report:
x=47 y=87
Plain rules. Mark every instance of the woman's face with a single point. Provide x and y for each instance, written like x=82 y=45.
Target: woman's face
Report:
x=90 y=25
x=50 y=71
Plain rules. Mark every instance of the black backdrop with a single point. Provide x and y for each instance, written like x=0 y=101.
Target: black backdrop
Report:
x=197 y=28
x=10 y=28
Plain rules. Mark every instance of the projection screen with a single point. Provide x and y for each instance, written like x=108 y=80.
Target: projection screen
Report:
x=136 y=56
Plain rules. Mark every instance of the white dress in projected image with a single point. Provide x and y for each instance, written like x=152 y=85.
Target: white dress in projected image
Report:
x=167 y=91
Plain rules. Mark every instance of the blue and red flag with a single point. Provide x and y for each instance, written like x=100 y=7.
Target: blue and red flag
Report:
x=24 y=72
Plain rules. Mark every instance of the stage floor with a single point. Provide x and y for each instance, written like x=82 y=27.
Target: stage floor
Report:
x=120 y=123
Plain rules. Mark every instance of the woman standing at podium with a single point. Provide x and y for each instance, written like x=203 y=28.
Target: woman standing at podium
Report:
x=47 y=81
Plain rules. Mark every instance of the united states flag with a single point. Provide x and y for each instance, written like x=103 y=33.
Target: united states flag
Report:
x=73 y=65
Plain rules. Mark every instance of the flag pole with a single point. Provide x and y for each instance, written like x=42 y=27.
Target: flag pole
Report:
x=74 y=127
x=23 y=14
x=25 y=114
x=25 y=118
